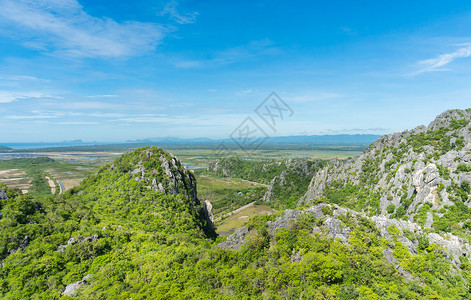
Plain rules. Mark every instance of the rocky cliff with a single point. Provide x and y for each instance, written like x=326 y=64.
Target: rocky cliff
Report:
x=3 y=195
x=161 y=171
x=412 y=175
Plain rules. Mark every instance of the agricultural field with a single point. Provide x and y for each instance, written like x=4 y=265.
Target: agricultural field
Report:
x=43 y=176
x=199 y=158
x=226 y=194
x=15 y=178
x=240 y=218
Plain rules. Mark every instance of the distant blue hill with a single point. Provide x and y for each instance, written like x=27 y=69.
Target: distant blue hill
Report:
x=305 y=141
x=340 y=139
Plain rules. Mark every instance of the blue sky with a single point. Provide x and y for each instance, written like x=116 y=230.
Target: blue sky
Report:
x=119 y=70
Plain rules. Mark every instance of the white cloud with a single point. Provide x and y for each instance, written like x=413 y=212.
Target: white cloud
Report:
x=332 y=131
x=6 y=97
x=193 y=121
x=17 y=117
x=436 y=64
x=232 y=55
x=171 y=10
x=102 y=96
x=64 y=28
x=244 y=92
x=87 y=105
x=77 y=123
x=314 y=97
x=17 y=77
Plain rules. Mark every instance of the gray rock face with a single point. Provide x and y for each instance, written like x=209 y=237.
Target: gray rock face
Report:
x=3 y=195
x=72 y=241
x=208 y=211
x=235 y=240
x=71 y=289
x=401 y=173
x=177 y=178
x=337 y=230
x=454 y=245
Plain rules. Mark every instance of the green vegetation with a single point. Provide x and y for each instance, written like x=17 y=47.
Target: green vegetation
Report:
x=444 y=172
x=463 y=168
x=150 y=245
x=258 y=171
x=292 y=184
x=289 y=179
x=421 y=216
x=137 y=227
x=352 y=196
x=438 y=138
x=4 y=149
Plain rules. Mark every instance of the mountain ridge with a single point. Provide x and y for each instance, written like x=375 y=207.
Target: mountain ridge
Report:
x=406 y=169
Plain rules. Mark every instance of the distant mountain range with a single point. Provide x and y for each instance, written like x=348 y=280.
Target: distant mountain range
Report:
x=304 y=140
x=3 y=148
x=340 y=139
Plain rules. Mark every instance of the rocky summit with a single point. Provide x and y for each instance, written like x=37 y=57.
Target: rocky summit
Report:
x=416 y=175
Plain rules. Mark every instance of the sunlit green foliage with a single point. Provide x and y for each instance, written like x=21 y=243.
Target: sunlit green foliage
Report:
x=353 y=196
x=150 y=245
x=463 y=168
x=440 y=141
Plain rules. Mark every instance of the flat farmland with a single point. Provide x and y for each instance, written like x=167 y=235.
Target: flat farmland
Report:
x=15 y=178
x=239 y=219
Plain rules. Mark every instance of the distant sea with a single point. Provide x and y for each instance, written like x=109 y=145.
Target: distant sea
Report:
x=19 y=146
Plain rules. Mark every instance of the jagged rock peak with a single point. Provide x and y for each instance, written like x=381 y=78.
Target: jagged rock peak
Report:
x=159 y=170
x=446 y=118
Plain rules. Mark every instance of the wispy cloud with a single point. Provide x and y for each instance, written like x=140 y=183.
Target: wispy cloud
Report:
x=437 y=63
x=7 y=97
x=37 y=114
x=171 y=10
x=17 y=77
x=244 y=92
x=102 y=96
x=331 y=131
x=64 y=28
x=77 y=123
x=315 y=97
x=88 y=105
x=18 y=117
x=232 y=55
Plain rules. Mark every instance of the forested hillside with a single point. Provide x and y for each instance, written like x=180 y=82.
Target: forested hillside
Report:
x=137 y=230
